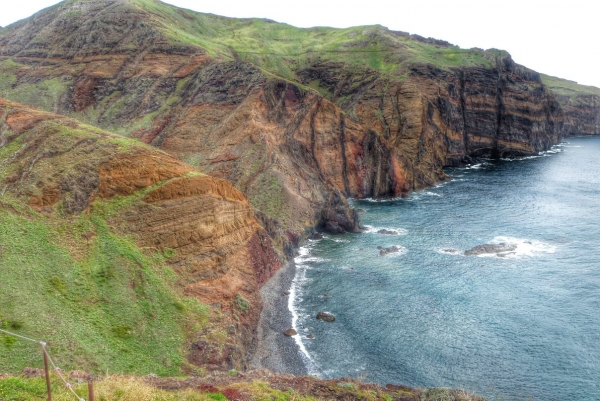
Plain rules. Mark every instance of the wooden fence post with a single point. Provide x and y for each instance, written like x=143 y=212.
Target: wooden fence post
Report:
x=91 y=396
x=47 y=373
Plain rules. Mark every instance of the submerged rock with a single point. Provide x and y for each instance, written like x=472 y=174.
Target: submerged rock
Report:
x=316 y=236
x=489 y=249
x=310 y=336
x=290 y=332
x=326 y=317
x=385 y=251
x=387 y=232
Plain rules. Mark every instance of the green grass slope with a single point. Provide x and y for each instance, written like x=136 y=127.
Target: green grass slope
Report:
x=565 y=87
x=102 y=303
x=283 y=49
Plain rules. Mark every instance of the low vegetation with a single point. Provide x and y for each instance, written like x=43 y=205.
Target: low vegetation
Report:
x=569 y=88
x=220 y=388
x=105 y=304
x=283 y=49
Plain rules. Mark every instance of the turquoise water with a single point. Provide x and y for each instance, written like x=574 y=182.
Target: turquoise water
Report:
x=523 y=325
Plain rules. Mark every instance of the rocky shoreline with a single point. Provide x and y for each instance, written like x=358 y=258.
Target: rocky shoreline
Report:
x=276 y=351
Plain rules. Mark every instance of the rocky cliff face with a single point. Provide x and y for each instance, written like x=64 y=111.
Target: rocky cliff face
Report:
x=215 y=245
x=582 y=114
x=581 y=105
x=435 y=118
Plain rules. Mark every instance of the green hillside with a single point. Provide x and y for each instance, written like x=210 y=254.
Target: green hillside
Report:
x=283 y=49
x=67 y=276
x=568 y=88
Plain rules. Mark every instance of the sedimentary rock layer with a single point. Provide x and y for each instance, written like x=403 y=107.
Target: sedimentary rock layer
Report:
x=62 y=168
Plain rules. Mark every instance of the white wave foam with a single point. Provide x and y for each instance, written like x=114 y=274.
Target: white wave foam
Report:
x=477 y=166
x=525 y=248
x=304 y=256
x=449 y=251
x=374 y=230
x=372 y=200
x=294 y=297
x=338 y=240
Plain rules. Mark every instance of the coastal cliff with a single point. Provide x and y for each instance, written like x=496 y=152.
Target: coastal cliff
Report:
x=580 y=103
x=297 y=131
x=443 y=117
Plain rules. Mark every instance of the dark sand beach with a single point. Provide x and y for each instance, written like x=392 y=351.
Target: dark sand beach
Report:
x=275 y=350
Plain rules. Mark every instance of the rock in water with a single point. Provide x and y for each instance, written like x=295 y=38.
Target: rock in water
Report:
x=316 y=236
x=384 y=251
x=387 y=232
x=290 y=332
x=488 y=249
x=310 y=336
x=326 y=317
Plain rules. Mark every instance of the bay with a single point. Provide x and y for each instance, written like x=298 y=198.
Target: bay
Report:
x=522 y=324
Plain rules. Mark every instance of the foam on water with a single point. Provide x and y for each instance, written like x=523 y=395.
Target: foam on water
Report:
x=525 y=247
x=372 y=200
x=295 y=298
x=374 y=230
x=338 y=240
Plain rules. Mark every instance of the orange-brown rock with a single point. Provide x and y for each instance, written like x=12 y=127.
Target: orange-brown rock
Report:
x=435 y=118
x=219 y=250
x=582 y=113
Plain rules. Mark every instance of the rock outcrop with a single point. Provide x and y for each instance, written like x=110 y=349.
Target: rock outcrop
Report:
x=435 y=117
x=326 y=317
x=492 y=249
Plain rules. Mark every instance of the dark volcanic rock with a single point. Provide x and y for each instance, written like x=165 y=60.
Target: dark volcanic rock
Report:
x=385 y=251
x=316 y=236
x=387 y=232
x=485 y=249
x=325 y=316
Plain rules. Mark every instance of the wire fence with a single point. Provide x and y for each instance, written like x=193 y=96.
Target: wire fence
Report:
x=48 y=358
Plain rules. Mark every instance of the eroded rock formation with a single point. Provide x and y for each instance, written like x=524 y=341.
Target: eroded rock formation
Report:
x=215 y=244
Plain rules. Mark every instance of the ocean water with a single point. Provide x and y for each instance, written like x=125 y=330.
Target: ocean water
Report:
x=525 y=324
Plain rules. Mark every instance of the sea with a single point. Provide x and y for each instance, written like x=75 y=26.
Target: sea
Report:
x=522 y=324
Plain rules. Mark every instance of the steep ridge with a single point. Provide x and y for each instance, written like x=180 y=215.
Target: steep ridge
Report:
x=581 y=105
x=296 y=158
x=128 y=242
